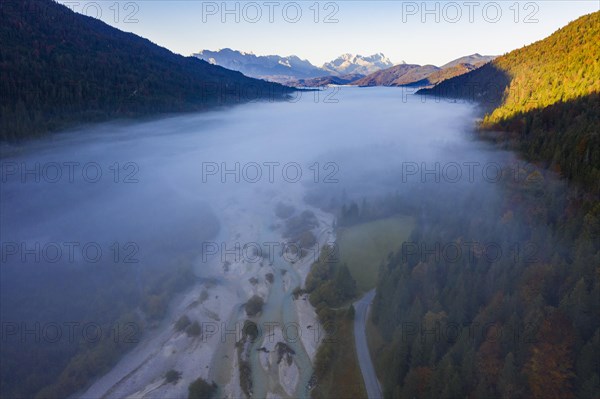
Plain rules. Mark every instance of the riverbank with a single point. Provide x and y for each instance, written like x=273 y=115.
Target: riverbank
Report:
x=216 y=303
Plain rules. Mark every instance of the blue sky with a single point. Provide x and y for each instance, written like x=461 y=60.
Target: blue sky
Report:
x=432 y=32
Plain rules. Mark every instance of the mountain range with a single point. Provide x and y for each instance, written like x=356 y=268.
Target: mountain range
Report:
x=347 y=69
x=267 y=67
x=290 y=69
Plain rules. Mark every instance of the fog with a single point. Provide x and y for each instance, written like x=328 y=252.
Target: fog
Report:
x=160 y=189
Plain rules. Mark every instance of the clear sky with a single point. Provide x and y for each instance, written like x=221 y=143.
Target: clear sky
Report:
x=432 y=32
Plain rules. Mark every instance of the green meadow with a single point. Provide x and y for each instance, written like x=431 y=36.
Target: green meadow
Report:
x=364 y=246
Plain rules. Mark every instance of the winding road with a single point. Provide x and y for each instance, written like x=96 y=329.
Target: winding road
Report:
x=361 y=308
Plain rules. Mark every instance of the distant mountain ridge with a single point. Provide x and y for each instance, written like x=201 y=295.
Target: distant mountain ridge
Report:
x=423 y=75
x=347 y=69
x=290 y=69
x=268 y=67
x=398 y=75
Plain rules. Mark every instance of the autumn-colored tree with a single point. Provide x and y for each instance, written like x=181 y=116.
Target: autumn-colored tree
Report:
x=489 y=361
x=550 y=367
x=416 y=383
x=508 y=384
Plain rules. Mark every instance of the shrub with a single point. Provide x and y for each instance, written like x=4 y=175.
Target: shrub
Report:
x=200 y=389
x=172 y=376
x=269 y=277
x=182 y=323
x=254 y=306
x=194 y=329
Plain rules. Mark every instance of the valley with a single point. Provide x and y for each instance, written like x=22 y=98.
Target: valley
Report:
x=228 y=224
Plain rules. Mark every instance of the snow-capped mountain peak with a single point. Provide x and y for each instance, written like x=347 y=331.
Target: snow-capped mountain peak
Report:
x=290 y=68
x=349 y=63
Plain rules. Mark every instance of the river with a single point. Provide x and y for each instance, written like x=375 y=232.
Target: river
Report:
x=148 y=194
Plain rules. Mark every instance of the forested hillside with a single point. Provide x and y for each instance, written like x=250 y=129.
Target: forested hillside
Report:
x=522 y=321
x=59 y=68
x=513 y=313
x=546 y=95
